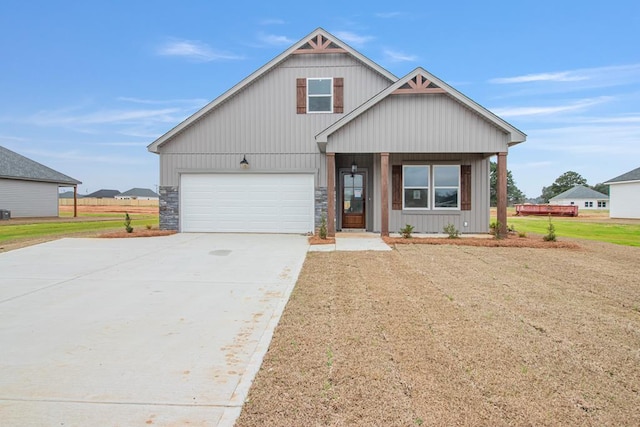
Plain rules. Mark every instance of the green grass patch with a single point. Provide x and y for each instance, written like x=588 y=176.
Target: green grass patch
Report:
x=620 y=234
x=53 y=229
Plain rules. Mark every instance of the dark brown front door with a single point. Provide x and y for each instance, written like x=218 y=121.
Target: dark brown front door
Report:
x=353 y=200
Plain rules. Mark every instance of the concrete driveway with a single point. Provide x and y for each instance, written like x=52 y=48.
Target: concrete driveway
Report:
x=137 y=332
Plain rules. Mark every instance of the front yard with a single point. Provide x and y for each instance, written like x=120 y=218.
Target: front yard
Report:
x=457 y=335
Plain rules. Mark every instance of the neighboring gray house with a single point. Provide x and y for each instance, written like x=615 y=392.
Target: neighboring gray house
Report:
x=583 y=197
x=28 y=188
x=68 y=195
x=624 y=192
x=323 y=130
x=103 y=194
x=138 y=194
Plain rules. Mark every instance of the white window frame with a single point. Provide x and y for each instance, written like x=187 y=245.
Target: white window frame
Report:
x=428 y=187
x=309 y=95
x=435 y=187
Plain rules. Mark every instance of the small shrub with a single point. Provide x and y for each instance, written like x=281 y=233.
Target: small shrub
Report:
x=551 y=232
x=522 y=234
x=406 y=231
x=323 y=227
x=494 y=228
x=149 y=226
x=127 y=223
x=452 y=231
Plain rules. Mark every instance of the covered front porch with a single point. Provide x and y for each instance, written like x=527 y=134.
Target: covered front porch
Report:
x=363 y=191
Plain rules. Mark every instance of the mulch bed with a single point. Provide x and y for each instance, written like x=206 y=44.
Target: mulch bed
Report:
x=137 y=233
x=510 y=241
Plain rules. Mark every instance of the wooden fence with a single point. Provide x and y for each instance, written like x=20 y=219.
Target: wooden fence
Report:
x=94 y=201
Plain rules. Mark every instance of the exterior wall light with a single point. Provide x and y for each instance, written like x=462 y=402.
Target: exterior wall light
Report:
x=354 y=168
x=244 y=164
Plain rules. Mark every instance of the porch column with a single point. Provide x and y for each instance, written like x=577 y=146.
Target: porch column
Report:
x=331 y=194
x=75 y=201
x=501 y=191
x=384 y=194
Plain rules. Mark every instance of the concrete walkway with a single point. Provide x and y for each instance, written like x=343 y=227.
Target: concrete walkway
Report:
x=135 y=332
x=352 y=241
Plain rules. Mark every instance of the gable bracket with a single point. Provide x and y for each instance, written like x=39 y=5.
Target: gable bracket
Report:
x=420 y=85
x=319 y=46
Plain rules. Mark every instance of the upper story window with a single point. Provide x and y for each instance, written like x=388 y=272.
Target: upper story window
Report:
x=320 y=95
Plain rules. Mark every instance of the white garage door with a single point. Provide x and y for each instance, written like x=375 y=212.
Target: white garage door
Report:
x=250 y=203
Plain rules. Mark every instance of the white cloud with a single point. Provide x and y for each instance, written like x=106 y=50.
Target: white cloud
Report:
x=546 y=110
x=12 y=138
x=395 y=56
x=274 y=40
x=565 y=76
x=63 y=117
x=194 y=101
x=194 y=50
x=607 y=76
x=387 y=15
x=353 y=38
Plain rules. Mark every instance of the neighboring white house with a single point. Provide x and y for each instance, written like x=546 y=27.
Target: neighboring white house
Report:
x=624 y=191
x=138 y=194
x=583 y=197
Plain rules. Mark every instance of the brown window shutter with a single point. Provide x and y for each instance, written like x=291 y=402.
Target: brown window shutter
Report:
x=301 y=96
x=396 y=187
x=465 y=187
x=338 y=95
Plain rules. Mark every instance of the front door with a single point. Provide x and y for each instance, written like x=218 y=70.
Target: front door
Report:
x=353 y=200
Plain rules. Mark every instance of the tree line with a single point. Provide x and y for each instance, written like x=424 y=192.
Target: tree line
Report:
x=564 y=182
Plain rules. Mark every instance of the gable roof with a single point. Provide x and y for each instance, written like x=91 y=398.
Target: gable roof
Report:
x=103 y=193
x=580 y=192
x=317 y=41
x=139 y=192
x=633 y=175
x=68 y=195
x=16 y=166
x=423 y=82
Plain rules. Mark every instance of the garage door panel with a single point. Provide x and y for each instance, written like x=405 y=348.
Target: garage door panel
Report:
x=273 y=203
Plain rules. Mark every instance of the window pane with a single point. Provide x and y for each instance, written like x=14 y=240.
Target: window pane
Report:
x=446 y=198
x=320 y=87
x=446 y=176
x=416 y=176
x=320 y=103
x=416 y=198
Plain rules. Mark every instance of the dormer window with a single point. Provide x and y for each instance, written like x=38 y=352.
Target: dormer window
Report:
x=320 y=95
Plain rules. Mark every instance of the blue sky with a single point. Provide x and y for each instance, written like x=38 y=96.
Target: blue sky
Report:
x=86 y=86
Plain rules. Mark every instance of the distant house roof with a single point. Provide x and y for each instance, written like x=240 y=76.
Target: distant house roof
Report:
x=139 y=192
x=581 y=192
x=16 y=166
x=105 y=194
x=67 y=195
x=633 y=175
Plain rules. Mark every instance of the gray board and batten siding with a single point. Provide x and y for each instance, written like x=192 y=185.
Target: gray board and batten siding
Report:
x=263 y=125
x=29 y=198
x=419 y=124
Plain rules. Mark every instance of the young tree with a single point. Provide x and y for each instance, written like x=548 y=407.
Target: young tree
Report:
x=514 y=195
x=564 y=182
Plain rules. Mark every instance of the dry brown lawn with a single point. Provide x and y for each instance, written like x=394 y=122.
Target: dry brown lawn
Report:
x=457 y=335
